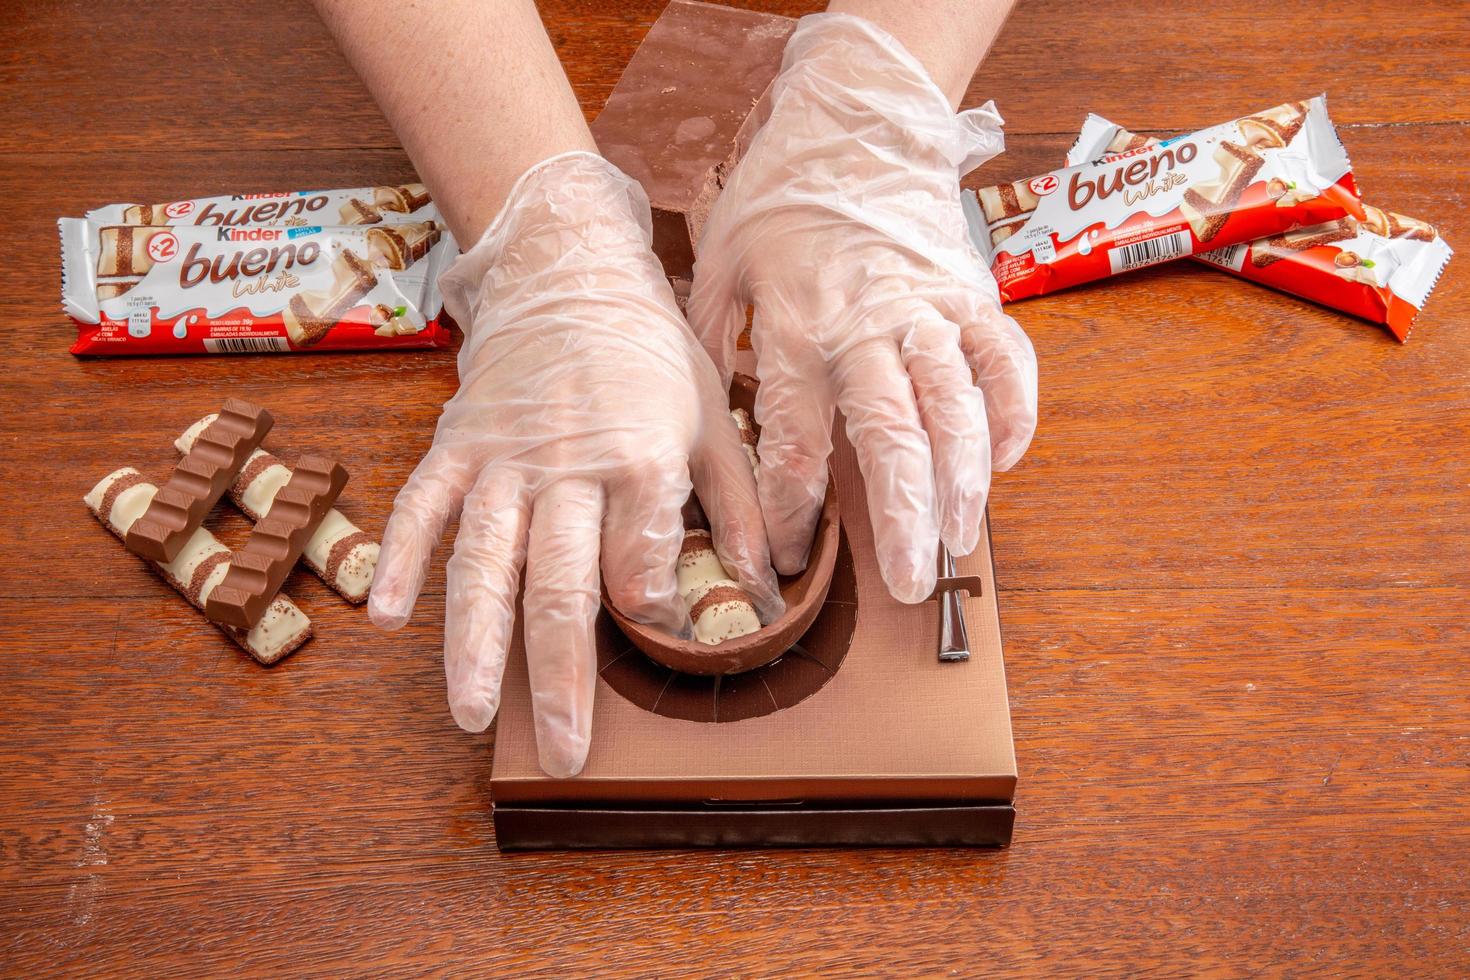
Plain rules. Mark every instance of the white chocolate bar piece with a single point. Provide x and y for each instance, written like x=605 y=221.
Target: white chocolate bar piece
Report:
x=341 y=554
x=121 y=497
x=718 y=607
x=748 y=438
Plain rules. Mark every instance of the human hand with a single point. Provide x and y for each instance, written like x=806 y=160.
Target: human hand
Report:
x=842 y=225
x=586 y=410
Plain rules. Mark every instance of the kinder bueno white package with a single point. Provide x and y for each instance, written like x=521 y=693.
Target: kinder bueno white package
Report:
x=1381 y=267
x=348 y=206
x=207 y=288
x=1147 y=204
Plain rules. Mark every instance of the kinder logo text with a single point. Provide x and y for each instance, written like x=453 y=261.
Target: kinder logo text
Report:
x=1133 y=180
x=249 y=235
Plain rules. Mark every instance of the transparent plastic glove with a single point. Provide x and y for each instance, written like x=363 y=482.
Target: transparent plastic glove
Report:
x=842 y=225
x=586 y=410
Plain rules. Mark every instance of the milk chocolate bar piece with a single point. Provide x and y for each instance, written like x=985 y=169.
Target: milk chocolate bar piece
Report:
x=258 y=569
x=1208 y=206
x=199 y=480
x=309 y=316
x=118 y=501
x=340 y=553
x=400 y=246
x=674 y=121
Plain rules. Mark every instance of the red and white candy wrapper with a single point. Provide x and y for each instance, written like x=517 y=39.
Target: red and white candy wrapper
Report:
x=1154 y=203
x=207 y=289
x=347 y=206
x=1381 y=268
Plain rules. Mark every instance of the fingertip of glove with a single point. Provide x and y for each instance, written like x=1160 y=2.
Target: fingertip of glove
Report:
x=789 y=561
x=769 y=608
x=909 y=580
x=563 y=760
x=1008 y=454
x=474 y=715
x=962 y=540
x=384 y=615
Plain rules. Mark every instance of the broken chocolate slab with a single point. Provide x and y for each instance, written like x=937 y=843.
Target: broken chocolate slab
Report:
x=257 y=571
x=673 y=122
x=198 y=481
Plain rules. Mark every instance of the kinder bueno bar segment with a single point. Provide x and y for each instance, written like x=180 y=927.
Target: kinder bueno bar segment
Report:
x=348 y=206
x=339 y=552
x=198 y=481
x=196 y=289
x=1143 y=204
x=1381 y=267
x=119 y=501
x=258 y=569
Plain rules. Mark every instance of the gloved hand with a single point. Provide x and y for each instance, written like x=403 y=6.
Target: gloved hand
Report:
x=842 y=225
x=585 y=409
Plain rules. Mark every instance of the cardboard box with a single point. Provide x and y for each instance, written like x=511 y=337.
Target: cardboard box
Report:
x=875 y=742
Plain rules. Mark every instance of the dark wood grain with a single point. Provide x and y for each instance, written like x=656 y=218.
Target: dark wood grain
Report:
x=1234 y=567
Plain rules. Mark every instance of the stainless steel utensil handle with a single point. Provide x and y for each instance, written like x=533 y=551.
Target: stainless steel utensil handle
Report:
x=954 y=642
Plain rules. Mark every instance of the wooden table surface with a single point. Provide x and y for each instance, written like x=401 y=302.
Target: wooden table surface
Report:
x=1235 y=569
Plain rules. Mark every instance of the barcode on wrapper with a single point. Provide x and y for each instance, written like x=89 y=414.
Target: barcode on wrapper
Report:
x=246 y=345
x=1231 y=257
x=1125 y=258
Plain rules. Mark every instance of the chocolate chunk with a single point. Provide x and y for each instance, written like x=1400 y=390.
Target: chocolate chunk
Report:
x=199 y=480
x=257 y=570
x=673 y=123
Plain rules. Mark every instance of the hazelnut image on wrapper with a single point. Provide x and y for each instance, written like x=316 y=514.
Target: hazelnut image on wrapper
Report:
x=1354 y=268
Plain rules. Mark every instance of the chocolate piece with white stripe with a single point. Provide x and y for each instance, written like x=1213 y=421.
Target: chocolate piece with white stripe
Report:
x=257 y=571
x=198 y=481
x=119 y=500
x=341 y=554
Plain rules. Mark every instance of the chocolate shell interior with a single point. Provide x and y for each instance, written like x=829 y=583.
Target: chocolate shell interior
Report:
x=805 y=595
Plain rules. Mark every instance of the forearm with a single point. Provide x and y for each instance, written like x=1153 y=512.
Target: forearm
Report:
x=949 y=37
x=486 y=101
